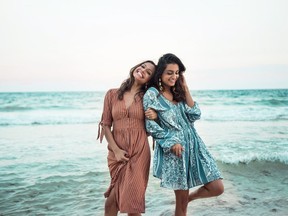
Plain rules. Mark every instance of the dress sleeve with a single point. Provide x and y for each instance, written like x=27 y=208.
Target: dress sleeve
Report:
x=193 y=113
x=106 y=118
x=165 y=137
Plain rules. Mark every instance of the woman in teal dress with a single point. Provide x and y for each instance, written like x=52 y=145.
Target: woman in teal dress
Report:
x=181 y=159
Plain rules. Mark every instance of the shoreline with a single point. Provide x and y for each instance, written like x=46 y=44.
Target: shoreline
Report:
x=67 y=160
x=256 y=188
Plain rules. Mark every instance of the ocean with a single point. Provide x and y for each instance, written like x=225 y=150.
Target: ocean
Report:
x=52 y=164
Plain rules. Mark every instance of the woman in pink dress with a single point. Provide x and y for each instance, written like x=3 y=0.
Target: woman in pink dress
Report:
x=123 y=124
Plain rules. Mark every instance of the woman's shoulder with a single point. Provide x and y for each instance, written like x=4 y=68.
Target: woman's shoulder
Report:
x=151 y=93
x=111 y=93
x=152 y=90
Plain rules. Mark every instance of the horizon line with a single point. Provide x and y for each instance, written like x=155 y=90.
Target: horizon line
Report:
x=68 y=91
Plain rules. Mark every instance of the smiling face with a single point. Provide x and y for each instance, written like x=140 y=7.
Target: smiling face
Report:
x=170 y=76
x=144 y=72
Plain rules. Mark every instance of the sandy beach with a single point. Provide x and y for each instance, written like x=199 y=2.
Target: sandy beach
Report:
x=257 y=188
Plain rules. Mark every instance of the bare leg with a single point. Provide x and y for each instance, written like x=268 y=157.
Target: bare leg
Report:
x=110 y=205
x=210 y=189
x=181 y=202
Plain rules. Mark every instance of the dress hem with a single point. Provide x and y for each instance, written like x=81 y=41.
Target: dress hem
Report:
x=198 y=184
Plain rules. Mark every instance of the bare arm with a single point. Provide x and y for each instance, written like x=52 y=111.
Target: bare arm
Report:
x=189 y=99
x=120 y=154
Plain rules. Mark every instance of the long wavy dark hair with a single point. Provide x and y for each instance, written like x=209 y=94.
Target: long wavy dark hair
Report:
x=178 y=90
x=127 y=84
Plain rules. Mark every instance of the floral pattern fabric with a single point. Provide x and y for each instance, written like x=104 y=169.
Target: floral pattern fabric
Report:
x=175 y=124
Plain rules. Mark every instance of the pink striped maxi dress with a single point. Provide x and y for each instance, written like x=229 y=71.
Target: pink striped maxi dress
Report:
x=129 y=179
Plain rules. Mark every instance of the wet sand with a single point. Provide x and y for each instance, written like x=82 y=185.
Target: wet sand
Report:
x=256 y=188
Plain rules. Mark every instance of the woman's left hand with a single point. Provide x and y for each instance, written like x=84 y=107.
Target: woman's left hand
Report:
x=177 y=149
x=151 y=114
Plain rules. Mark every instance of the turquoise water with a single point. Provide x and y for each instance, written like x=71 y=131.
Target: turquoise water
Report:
x=52 y=164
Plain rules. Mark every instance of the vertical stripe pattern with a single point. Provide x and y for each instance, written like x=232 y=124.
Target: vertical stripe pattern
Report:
x=130 y=179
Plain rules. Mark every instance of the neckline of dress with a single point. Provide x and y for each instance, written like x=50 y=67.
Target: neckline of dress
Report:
x=135 y=99
x=169 y=100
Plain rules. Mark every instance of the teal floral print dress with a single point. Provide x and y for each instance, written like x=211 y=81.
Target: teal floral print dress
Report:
x=175 y=124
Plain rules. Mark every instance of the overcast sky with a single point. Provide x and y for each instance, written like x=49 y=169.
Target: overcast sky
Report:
x=71 y=45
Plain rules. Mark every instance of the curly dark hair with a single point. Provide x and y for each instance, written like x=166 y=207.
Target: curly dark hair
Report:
x=127 y=84
x=178 y=90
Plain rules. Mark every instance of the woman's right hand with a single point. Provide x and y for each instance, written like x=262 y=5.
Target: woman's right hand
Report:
x=121 y=155
x=151 y=114
x=177 y=149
